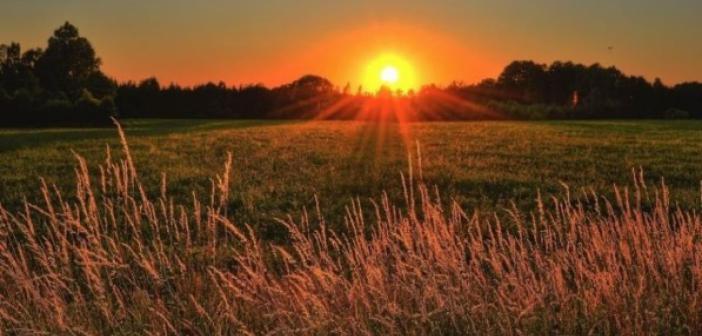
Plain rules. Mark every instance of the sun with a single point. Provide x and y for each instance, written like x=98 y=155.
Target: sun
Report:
x=389 y=70
x=389 y=75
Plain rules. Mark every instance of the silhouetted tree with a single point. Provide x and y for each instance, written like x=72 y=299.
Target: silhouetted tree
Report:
x=524 y=80
x=62 y=84
x=67 y=63
x=688 y=97
x=16 y=69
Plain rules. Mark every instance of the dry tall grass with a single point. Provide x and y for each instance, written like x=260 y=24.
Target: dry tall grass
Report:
x=115 y=261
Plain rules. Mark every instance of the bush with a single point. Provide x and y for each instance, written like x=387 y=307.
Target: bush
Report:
x=23 y=101
x=108 y=107
x=673 y=113
x=4 y=102
x=520 y=111
x=54 y=110
x=92 y=111
x=16 y=109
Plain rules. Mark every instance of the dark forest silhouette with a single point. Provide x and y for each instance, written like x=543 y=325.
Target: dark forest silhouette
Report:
x=63 y=84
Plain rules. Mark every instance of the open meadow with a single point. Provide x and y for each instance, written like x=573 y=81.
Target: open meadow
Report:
x=119 y=251
x=279 y=167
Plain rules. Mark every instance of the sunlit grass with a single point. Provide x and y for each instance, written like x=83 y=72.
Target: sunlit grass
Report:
x=125 y=257
x=279 y=167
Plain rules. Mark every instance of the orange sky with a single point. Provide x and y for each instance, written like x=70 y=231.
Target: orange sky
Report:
x=341 y=55
x=346 y=55
x=277 y=41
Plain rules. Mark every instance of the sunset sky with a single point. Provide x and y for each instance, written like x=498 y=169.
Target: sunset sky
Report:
x=276 y=41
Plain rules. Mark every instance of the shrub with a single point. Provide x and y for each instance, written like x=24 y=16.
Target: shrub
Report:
x=108 y=107
x=521 y=111
x=54 y=110
x=673 y=113
x=90 y=110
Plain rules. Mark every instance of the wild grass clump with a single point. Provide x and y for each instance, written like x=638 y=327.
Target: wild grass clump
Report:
x=114 y=260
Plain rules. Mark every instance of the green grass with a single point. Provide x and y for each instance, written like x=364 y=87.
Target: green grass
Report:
x=278 y=167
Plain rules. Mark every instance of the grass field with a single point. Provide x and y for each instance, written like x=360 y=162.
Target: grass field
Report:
x=111 y=259
x=278 y=167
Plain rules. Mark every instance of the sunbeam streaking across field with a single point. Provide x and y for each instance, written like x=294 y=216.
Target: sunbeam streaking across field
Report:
x=390 y=108
x=386 y=110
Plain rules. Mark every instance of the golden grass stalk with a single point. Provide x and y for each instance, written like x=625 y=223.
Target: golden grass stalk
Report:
x=115 y=261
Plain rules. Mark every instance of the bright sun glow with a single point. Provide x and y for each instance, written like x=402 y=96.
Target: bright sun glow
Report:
x=390 y=70
x=389 y=75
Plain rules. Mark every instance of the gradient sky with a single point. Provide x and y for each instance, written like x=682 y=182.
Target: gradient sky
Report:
x=276 y=41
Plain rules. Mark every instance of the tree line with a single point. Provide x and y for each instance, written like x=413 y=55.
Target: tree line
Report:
x=60 y=84
x=63 y=84
x=572 y=90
